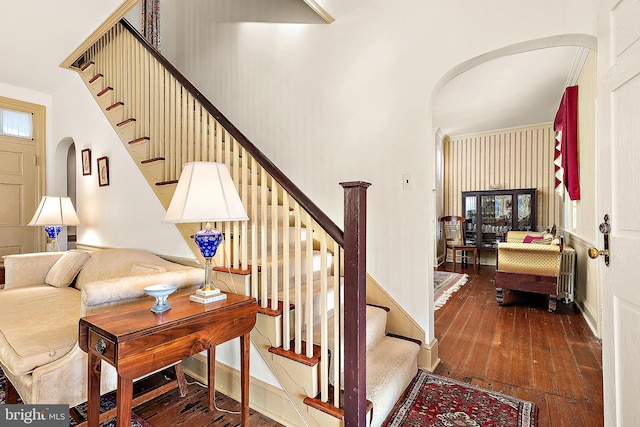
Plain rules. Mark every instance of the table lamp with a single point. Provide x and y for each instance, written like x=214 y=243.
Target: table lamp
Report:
x=205 y=193
x=53 y=213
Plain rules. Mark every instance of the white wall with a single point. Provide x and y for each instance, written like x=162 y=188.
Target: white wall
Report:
x=582 y=234
x=351 y=101
x=124 y=214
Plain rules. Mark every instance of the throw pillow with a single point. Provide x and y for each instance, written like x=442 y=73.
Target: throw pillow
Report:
x=546 y=239
x=66 y=268
x=530 y=239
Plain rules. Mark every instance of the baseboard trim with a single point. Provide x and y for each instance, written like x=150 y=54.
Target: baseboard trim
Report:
x=428 y=357
x=589 y=317
x=264 y=397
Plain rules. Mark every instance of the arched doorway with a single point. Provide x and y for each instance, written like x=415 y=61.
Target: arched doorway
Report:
x=65 y=165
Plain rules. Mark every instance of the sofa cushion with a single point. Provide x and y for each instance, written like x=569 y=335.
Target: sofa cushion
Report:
x=66 y=268
x=28 y=269
x=24 y=345
x=114 y=263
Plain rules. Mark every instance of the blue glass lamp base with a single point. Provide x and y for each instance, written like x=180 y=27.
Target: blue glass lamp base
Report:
x=208 y=241
x=52 y=230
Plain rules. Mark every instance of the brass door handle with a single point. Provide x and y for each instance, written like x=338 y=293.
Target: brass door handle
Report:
x=605 y=229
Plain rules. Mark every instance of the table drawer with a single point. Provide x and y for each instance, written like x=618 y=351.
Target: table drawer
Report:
x=102 y=346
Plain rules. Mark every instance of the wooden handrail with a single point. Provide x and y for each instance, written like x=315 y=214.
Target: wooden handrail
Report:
x=307 y=204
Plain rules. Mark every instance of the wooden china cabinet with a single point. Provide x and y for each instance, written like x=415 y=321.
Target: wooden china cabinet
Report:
x=491 y=214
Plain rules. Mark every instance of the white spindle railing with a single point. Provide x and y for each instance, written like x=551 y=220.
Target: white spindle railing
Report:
x=291 y=258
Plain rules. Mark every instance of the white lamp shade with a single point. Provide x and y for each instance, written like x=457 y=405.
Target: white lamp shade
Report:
x=205 y=193
x=54 y=210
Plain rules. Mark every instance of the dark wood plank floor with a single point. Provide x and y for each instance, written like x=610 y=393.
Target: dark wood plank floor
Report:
x=522 y=350
x=171 y=410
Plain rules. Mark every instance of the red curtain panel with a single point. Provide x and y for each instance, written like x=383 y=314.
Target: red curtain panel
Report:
x=566 y=156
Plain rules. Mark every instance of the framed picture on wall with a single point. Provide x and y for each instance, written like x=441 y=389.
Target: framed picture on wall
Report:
x=103 y=171
x=86 y=161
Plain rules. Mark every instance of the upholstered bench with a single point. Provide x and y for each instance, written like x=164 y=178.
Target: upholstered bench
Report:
x=528 y=267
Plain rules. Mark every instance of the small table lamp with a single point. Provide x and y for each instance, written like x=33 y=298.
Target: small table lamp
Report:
x=53 y=213
x=206 y=193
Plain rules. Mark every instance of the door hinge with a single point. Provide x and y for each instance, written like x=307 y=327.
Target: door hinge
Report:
x=35 y=160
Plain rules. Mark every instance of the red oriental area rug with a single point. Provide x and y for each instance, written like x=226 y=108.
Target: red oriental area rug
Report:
x=432 y=400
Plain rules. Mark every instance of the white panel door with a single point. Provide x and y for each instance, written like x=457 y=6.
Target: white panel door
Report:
x=619 y=195
x=18 y=198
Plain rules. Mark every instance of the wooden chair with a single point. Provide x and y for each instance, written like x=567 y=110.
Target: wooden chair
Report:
x=453 y=233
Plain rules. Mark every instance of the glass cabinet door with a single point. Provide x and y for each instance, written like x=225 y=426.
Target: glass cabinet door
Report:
x=471 y=220
x=524 y=212
x=497 y=218
x=488 y=220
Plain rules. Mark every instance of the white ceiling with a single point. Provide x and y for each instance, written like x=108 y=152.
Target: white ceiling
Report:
x=37 y=37
x=511 y=91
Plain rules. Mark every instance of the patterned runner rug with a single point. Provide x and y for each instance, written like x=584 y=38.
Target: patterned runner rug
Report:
x=106 y=402
x=445 y=284
x=432 y=400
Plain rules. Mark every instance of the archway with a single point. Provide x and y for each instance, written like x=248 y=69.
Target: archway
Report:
x=65 y=164
x=581 y=40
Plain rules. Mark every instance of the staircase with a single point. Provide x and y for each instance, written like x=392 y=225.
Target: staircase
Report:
x=290 y=256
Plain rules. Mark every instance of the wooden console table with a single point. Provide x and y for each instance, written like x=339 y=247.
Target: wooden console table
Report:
x=138 y=342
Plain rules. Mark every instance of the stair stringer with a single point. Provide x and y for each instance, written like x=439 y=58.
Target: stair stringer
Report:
x=299 y=381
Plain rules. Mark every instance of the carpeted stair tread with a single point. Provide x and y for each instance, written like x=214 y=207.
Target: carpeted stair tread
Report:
x=280 y=241
x=316 y=298
x=376 y=328
x=316 y=263
x=391 y=365
x=376 y=325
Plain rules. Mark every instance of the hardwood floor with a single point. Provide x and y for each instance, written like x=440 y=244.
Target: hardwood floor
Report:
x=170 y=410
x=522 y=350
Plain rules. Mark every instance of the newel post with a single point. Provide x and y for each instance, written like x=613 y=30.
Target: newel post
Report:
x=355 y=293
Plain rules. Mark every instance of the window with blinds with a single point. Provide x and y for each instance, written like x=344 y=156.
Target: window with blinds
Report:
x=16 y=123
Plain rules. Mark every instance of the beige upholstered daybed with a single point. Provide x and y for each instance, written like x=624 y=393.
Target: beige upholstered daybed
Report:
x=43 y=299
x=529 y=267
